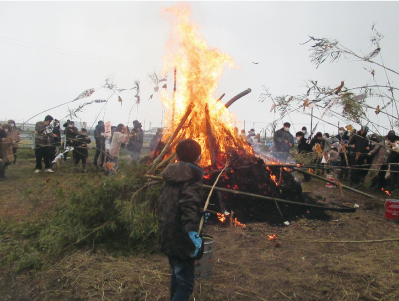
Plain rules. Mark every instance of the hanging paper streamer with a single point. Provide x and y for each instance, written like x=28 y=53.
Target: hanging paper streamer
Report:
x=85 y=94
x=360 y=96
x=120 y=100
x=59 y=156
x=273 y=108
x=332 y=102
x=107 y=129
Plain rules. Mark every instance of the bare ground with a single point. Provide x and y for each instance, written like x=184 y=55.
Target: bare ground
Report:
x=247 y=266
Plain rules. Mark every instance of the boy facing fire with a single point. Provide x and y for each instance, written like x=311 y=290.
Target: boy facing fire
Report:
x=179 y=217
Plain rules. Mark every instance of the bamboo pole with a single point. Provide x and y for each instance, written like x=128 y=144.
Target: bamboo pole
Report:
x=173 y=136
x=238 y=96
x=210 y=137
x=172 y=157
x=252 y=195
x=209 y=197
x=334 y=183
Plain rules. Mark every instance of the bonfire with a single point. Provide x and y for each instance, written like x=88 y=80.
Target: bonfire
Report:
x=196 y=112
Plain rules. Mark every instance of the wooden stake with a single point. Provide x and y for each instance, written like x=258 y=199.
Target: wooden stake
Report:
x=173 y=136
x=232 y=219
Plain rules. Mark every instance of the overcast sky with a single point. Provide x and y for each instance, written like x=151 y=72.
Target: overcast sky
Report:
x=53 y=51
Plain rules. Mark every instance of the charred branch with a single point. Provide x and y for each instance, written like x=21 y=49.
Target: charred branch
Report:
x=238 y=96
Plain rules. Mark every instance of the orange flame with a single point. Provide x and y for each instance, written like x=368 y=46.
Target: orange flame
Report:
x=237 y=223
x=271 y=237
x=310 y=170
x=199 y=69
x=221 y=217
x=386 y=191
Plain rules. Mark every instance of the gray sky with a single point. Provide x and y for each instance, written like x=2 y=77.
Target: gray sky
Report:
x=53 y=51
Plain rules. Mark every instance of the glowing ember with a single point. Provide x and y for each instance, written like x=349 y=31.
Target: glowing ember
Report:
x=274 y=178
x=235 y=187
x=199 y=69
x=386 y=191
x=237 y=223
x=271 y=237
x=310 y=170
x=222 y=217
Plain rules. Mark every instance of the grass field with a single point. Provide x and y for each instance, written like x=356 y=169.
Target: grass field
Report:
x=247 y=266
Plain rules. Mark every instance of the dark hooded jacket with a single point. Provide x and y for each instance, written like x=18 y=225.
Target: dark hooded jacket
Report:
x=179 y=206
x=360 y=142
x=136 y=141
x=303 y=146
x=279 y=140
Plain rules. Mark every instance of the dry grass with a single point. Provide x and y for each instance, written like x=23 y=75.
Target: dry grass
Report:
x=247 y=266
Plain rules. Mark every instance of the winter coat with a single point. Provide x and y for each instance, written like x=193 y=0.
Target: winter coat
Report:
x=117 y=139
x=303 y=146
x=6 y=153
x=155 y=140
x=327 y=144
x=80 y=144
x=334 y=156
x=136 y=142
x=57 y=136
x=99 y=130
x=315 y=140
x=43 y=134
x=360 y=142
x=16 y=136
x=279 y=141
x=179 y=206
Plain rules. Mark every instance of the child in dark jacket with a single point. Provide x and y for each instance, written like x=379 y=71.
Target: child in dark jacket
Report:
x=80 y=149
x=179 y=217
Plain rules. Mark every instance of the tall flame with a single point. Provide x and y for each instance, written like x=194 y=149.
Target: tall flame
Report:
x=199 y=69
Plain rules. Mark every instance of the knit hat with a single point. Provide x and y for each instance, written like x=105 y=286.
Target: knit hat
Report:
x=365 y=128
x=188 y=150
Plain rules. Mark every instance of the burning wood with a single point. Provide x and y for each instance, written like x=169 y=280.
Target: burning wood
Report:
x=237 y=97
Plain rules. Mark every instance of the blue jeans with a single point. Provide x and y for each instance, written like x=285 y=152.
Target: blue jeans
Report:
x=182 y=279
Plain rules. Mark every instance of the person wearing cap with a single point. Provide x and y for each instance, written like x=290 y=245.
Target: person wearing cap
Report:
x=305 y=132
x=136 y=141
x=16 y=138
x=70 y=134
x=100 y=143
x=80 y=149
x=44 y=134
x=283 y=141
x=359 y=146
x=179 y=215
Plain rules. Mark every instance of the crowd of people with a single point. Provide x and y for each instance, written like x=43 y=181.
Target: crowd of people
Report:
x=356 y=155
x=49 y=146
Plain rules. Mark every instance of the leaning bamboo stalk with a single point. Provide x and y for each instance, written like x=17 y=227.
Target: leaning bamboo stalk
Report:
x=344 y=241
x=252 y=195
x=172 y=157
x=209 y=197
x=210 y=137
x=238 y=96
x=173 y=136
x=334 y=183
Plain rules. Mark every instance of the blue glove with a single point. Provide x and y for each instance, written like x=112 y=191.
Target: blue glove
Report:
x=197 y=242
